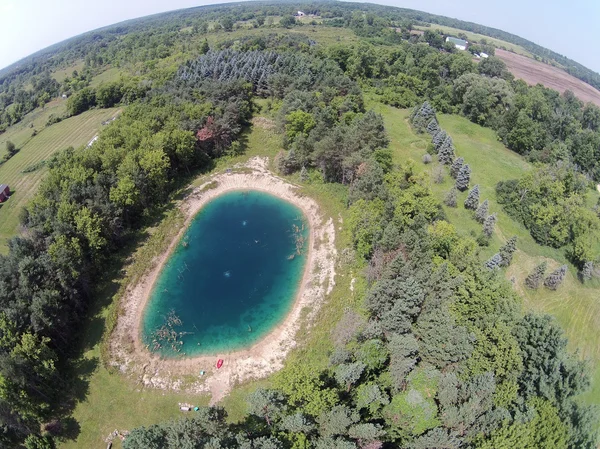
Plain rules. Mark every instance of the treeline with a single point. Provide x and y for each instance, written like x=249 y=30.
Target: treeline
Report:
x=442 y=357
x=91 y=202
x=534 y=121
x=551 y=202
x=107 y=95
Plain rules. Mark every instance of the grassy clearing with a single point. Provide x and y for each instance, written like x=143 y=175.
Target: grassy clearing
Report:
x=60 y=74
x=74 y=131
x=574 y=305
x=107 y=76
x=478 y=37
x=21 y=133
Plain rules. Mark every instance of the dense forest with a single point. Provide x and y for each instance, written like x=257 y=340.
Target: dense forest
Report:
x=443 y=354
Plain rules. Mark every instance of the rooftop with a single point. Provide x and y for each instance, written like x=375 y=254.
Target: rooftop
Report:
x=456 y=41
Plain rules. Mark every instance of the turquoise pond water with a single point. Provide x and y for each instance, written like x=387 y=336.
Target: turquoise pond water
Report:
x=231 y=280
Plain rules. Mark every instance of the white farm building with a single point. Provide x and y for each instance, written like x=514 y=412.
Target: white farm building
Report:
x=458 y=43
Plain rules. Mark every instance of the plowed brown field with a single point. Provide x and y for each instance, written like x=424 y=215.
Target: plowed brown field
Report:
x=533 y=72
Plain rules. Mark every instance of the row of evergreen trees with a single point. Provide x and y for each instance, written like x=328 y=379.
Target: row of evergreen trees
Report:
x=423 y=118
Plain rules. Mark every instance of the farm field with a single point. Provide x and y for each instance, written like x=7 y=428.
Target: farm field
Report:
x=574 y=305
x=478 y=37
x=534 y=72
x=21 y=133
x=74 y=131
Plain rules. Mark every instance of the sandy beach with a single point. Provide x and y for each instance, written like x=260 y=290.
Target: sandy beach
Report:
x=131 y=357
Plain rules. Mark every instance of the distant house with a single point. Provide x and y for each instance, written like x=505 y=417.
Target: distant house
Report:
x=300 y=14
x=458 y=43
x=484 y=55
x=4 y=192
x=64 y=95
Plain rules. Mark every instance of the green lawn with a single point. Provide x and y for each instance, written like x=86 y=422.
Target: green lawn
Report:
x=107 y=76
x=575 y=305
x=74 y=131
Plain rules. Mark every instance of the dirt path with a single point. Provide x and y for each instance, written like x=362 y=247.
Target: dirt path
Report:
x=131 y=356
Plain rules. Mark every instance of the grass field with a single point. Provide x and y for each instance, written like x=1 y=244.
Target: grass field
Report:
x=21 y=133
x=471 y=37
x=575 y=305
x=107 y=76
x=61 y=74
x=74 y=131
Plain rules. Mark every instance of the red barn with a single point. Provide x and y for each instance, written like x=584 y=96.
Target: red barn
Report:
x=4 y=192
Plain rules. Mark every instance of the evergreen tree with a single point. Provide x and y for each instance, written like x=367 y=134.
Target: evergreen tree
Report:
x=433 y=127
x=456 y=166
x=482 y=211
x=494 y=262
x=303 y=174
x=446 y=152
x=508 y=250
x=463 y=178
x=427 y=111
x=536 y=277
x=450 y=199
x=472 y=200
x=587 y=271
x=488 y=225
x=556 y=278
x=439 y=138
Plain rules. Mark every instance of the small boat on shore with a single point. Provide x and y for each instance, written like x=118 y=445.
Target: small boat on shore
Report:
x=219 y=363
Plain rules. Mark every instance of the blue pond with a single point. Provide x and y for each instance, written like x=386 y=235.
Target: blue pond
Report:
x=232 y=278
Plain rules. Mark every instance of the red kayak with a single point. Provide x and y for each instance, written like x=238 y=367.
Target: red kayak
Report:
x=219 y=363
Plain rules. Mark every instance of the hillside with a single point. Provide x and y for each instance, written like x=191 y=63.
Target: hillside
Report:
x=575 y=306
x=417 y=323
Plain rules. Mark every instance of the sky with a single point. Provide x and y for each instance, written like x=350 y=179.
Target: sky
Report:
x=571 y=27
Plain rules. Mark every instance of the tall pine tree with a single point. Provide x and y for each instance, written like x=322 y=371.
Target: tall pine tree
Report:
x=508 y=250
x=463 y=178
x=556 y=278
x=536 y=277
x=472 y=201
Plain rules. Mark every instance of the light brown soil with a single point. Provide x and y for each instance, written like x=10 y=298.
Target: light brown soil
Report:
x=533 y=72
x=130 y=355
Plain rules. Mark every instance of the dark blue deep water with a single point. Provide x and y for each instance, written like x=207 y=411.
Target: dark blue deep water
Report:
x=232 y=278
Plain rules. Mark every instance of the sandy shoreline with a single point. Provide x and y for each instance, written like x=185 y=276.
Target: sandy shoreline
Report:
x=128 y=352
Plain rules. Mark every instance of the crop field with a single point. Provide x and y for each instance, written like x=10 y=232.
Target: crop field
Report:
x=471 y=37
x=74 y=132
x=534 y=72
x=575 y=305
